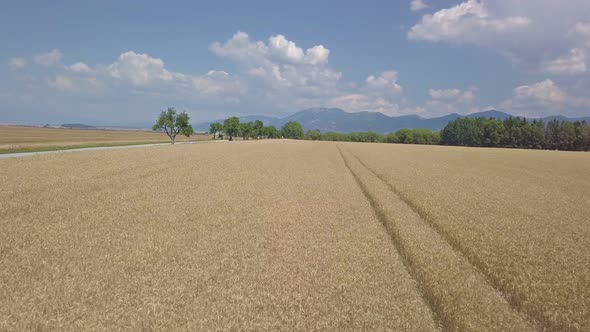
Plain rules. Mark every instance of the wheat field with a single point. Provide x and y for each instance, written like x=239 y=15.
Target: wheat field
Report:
x=14 y=138
x=296 y=235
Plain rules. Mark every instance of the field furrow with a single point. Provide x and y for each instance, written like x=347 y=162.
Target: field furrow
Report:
x=519 y=216
x=457 y=292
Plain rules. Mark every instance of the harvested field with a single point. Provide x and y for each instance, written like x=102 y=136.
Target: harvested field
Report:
x=17 y=138
x=296 y=235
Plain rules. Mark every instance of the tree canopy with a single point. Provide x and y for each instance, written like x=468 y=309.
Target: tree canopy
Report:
x=293 y=129
x=231 y=126
x=174 y=124
x=215 y=128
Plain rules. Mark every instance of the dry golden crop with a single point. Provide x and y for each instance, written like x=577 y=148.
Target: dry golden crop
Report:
x=242 y=235
x=296 y=235
x=18 y=137
x=521 y=217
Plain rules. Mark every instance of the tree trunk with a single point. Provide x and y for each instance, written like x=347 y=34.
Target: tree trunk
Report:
x=173 y=139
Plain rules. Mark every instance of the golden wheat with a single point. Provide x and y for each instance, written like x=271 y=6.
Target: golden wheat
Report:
x=244 y=235
x=16 y=137
x=296 y=236
x=519 y=216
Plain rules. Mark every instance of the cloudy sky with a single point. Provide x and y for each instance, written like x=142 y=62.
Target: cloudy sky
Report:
x=120 y=62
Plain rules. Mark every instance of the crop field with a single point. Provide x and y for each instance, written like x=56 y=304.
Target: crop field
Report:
x=296 y=235
x=23 y=139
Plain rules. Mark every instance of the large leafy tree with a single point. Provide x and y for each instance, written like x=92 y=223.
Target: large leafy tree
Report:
x=231 y=126
x=258 y=128
x=271 y=132
x=174 y=123
x=293 y=129
x=215 y=128
x=246 y=130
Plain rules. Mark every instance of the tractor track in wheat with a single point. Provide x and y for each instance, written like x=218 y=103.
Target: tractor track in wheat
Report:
x=458 y=293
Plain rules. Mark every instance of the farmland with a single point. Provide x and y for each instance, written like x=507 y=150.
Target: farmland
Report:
x=25 y=139
x=282 y=234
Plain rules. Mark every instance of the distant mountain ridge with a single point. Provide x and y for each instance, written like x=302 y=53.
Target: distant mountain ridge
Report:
x=338 y=120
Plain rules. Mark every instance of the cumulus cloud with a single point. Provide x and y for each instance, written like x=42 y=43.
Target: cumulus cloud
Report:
x=543 y=35
x=417 y=5
x=279 y=72
x=16 y=63
x=573 y=63
x=278 y=49
x=79 y=67
x=385 y=82
x=468 y=22
x=357 y=102
x=139 y=69
x=445 y=101
x=543 y=97
x=50 y=58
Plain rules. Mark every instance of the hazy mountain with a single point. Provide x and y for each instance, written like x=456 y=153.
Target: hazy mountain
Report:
x=335 y=119
x=77 y=126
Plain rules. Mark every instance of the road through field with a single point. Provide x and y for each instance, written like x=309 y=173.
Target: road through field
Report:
x=296 y=235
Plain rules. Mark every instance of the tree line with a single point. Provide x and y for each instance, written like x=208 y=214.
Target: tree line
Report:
x=404 y=136
x=517 y=133
x=512 y=132
x=232 y=127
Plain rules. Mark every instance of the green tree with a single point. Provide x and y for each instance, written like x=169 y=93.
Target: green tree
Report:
x=173 y=124
x=391 y=138
x=231 y=126
x=246 y=130
x=493 y=133
x=582 y=142
x=567 y=136
x=293 y=129
x=271 y=132
x=215 y=128
x=314 y=135
x=258 y=128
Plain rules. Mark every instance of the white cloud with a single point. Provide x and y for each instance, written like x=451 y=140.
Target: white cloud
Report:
x=61 y=82
x=357 y=102
x=445 y=101
x=79 y=67
x=217 y=82
x=385 y=82
x=573 y=63
x=457 y=95
x=543 y=97
x=50 y=58
x=317 y=55
x=17 y=63
x=417 y=5
x=139 y=69
x=534 y=35
x=280 y=75
x=468 y=22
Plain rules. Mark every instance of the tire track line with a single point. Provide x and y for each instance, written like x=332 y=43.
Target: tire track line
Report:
x=457 y=292
x=513 y=299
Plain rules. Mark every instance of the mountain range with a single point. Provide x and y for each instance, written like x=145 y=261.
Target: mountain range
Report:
x=338 y=120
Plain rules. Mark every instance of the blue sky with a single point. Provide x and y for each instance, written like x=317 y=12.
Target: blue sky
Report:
x=120 y=62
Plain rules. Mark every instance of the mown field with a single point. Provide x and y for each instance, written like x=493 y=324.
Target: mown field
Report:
x=296 y=235
x=26 y=139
